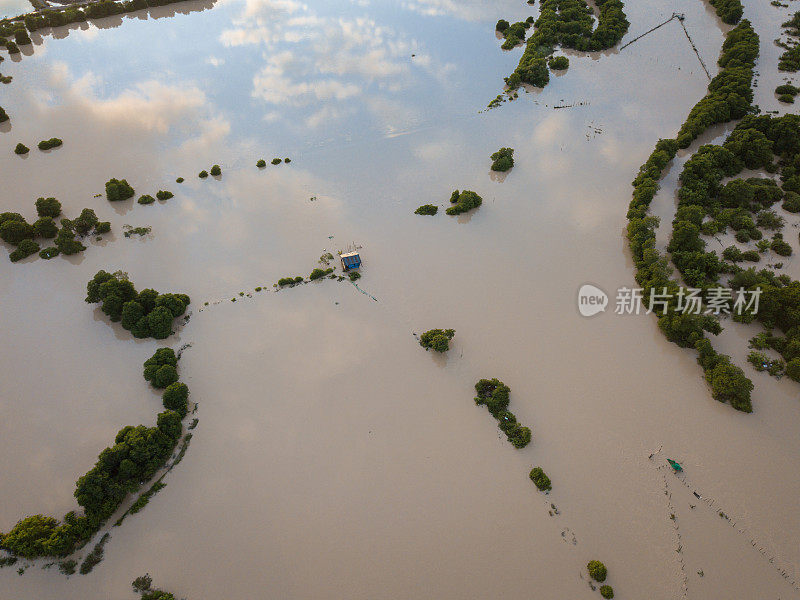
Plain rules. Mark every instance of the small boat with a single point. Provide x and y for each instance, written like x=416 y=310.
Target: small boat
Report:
x=675 y=465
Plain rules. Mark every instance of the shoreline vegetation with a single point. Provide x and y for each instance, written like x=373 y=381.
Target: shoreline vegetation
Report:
x=138 y=453
x=729 y=97
x=567 y=24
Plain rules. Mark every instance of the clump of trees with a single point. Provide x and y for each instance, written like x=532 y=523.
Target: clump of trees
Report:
x=790 y=60
x=786 y=93
x=427 y=209
x=49 y=144
x=145 y=314
x=730 y=11
x=118 y=189
x=164 y=195
x=21 y=148
x=569 y=24
x=437 y=339
x=513 y=34
x=540 y=479
x=729 y=93
x=503 y=159
x=283 y=281
x=558 y=63
x=496 y=396
x=463 y=202
x=319 y=273
x=45 y=227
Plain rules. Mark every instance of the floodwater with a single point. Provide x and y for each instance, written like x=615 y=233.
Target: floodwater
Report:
x=333 y=456
x=12 y=8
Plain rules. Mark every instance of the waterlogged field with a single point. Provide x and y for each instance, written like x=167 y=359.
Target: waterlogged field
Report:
x=334 y=457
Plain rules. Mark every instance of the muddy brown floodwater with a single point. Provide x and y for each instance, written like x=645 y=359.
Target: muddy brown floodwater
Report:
x=334 y=458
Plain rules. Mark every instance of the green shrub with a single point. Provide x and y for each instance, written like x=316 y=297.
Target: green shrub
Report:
x=85 y=222
x=558 y=63
x=24 y=250
x=48 y=253
x=793 y=369
x=45 y=227
x=502 y=25
x=175 y=398
x=14 y=231
x=261 y=163
x=751 y=256
x=3 y=115
x=202 y=174
x=787 y=89
x=503 y=159
x=48 y=207
x=495 y=395
x=780 y=247
x=427 y=209
x=791 y=202
x=597 y=570
x=287 y=160
x=180 y=180
x=216 y=171
x=118 y=189
x=49 y=144
x=164 y=195
x=540 y=479
x=606 y=591
x=21 y=149
x=289 y=281
x=146 y=199
x=786 y=98
x=102 y=227
x=319 y=273
x=437 y=339
x=466 y=201
x=65 y=240
x=276 y=161
x=354 y=275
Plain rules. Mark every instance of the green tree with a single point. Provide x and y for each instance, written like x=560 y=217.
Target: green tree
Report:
x=503 y=159
x=85 y=222
x=606 y=591
x=540 y=479
x=597 y=570
x=216 y=171
x=118 y=189
x=21 y=148
x=45 y=227
x=437 y=339
x=28 y=538
x=14 y=231
x=24 y=250
x=175 y=398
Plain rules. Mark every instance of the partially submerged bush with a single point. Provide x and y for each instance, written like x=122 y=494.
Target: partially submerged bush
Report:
x=146 y=199
x=464 y=202
x=495 y=395
x=319 y=273
x=607 y=592
x=13 y=231
x=176 y=397
x=118 y=189
x=437 y=339
x=276 y=161
x=85 y=222
x=202 y=174
x=24 y=250
x=427 y=209
x=164 y=195
x=503 y=160
x=261 y=163
x=161 y=368
x=180 y=180
x=21 y=149
x=50 y=252
x=597 y=570
x=558 y=63
x=49 y=144
x=354 y=275
x=216 y=171
x=48 y=207
x=289 y=281
x=540 y=479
